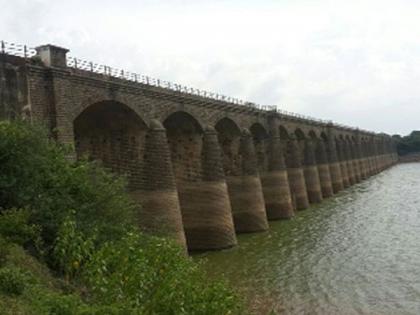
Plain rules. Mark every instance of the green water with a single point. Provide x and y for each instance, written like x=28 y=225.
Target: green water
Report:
x=356 y=253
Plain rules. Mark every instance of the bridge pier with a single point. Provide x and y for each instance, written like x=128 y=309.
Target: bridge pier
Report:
x=205 y=205
x=343 y=164
x=369 y=158
x=323 y=170
x=296 y=176
x=355 y=164
x=360 y=160
x=245 y=191
x=277 y=195
x=334 y=165
x=313 y=185
x=160 y=211
x=202 y=190
x=348 y=161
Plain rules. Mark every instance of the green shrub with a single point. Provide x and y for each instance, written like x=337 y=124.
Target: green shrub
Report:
x=51 y=303
x=12 y=281
x=72 y=249
x=15 y=226
x=36 y=173
x=152 y=275
x=85 y=219
x=4 y=250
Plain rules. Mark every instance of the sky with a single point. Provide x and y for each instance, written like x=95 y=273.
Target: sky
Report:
x=354 y=62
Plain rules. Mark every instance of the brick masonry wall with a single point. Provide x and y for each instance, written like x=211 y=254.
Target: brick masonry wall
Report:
x=177 y=149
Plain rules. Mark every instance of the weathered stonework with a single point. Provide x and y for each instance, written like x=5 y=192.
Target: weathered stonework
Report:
x=323 y=170
x=296 y=175
x=310 y=170
x=275 y=182
x=244 y=186
x=201 y=168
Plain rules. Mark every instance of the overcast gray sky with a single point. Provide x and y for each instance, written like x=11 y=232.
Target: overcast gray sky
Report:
x=355 y=62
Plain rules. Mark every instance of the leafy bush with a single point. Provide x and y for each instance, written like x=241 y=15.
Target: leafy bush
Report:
x=72 y=249
x=4 y=250
x=15 y=226
x=36 y=173
x=408 y=144
x=58 y=304
x=85 y=219
x=12 y=281
x=153 y=275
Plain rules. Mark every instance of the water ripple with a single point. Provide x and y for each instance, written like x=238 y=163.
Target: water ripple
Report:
x=356 y=253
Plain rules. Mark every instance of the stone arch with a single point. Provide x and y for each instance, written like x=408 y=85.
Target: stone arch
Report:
x=229 y=136
x=312 y=135
x=260 y=136
x=87 y=102
x=300 y=135
x=114 y=134
x=184 y=134
x=203 y=196
x=284 y=133
x=218 y=116
x=189 y=111
x=324 y=137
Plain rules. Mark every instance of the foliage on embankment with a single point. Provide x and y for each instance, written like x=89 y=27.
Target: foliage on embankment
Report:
x=408 y=144
x=68 y=245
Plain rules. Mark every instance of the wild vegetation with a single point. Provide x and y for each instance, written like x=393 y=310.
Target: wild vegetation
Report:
x=68 y=245
x=408 y=144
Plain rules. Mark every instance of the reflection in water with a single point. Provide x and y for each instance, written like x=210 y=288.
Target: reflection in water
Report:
x=356 y=253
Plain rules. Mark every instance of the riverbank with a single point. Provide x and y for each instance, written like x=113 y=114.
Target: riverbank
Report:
x=69 y=243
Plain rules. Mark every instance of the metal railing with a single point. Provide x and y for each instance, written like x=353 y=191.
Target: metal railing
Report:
x=79 y=64
x=17 y=50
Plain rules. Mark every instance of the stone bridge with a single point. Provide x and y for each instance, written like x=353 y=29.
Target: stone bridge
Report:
x=203 y=167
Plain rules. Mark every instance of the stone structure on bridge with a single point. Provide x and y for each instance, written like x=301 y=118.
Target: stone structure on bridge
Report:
x=203 y=167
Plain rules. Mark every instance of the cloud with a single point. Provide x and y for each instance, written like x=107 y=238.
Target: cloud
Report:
x=356 y=62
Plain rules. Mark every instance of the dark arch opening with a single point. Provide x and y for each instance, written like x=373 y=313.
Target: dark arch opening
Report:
x=114 y=134
x=300 y=135
x=339 y=144
x=184 y=135
x=229 y=136
x=260 y=136
x=312 y=135
x=284 y=134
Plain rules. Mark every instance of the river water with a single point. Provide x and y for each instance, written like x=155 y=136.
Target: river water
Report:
x=355 y=253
